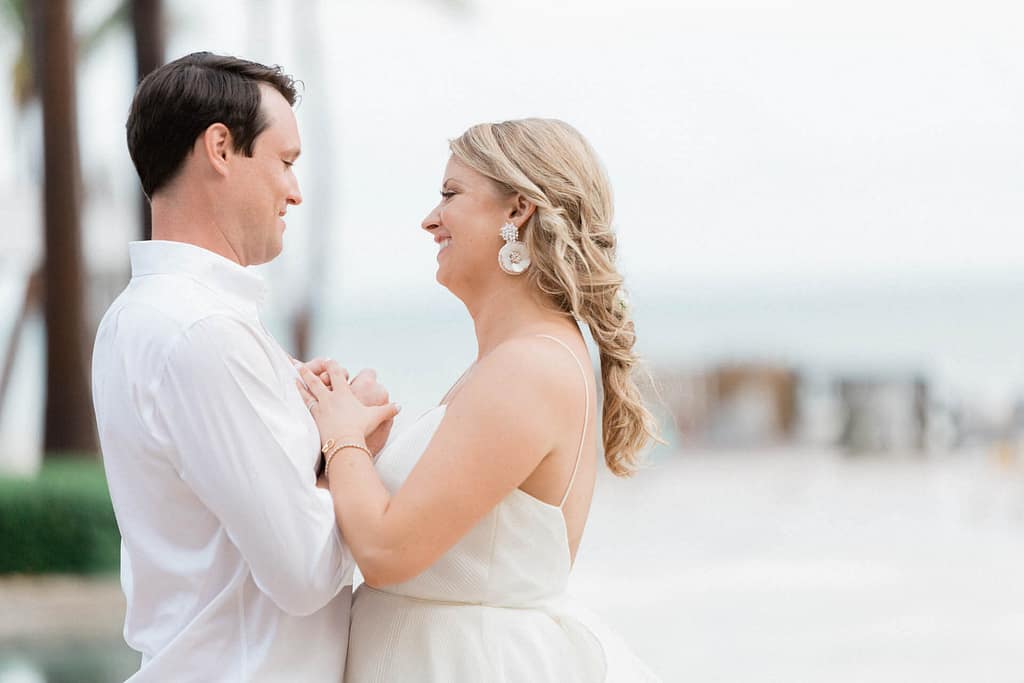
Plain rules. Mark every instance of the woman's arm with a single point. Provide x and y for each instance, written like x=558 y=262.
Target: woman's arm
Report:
x=502 y=423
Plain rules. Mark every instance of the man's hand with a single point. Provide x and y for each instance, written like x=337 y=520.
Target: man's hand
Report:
x=318 y=366
x=370 y=392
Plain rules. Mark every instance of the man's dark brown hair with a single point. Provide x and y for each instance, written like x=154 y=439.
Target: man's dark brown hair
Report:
x=177 y=102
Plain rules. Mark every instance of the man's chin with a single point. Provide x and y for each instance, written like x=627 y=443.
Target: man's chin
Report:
x=275 y=252
x=269 y=255
x=275 y=247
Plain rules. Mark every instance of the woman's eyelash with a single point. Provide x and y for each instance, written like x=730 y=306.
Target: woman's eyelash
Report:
x=447 y=193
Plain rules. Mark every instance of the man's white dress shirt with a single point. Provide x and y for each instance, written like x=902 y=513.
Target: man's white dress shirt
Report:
x=231 y=560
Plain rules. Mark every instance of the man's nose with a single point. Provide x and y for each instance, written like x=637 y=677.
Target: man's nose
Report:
x=295 y=195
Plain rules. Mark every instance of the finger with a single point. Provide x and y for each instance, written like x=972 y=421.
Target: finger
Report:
x=307 y=398
x=382 y=414
x=369 y=392
x=360 y=382
x=368 y=375
x=338 y=374
x=377 y=396
x=366 y=380
x=317 y=365
x=325 y=378
x=313 y=383
x=335 y=368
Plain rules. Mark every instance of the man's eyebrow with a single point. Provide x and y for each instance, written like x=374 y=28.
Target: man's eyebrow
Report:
x=293 y=153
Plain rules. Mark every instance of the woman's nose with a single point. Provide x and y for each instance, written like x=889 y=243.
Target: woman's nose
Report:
x=432 y=221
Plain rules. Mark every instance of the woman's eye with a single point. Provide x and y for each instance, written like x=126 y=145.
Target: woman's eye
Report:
x=289 y=163
x=447 y=194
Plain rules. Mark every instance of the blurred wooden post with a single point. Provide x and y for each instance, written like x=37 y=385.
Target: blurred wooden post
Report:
x=148 y=29
x=322 y=159
x=70 y=425
x=884 y=413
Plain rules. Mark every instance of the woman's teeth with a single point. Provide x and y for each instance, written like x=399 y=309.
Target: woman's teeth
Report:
x=443 y=244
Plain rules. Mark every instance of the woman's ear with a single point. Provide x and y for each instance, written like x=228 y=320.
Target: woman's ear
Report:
x=522 y=211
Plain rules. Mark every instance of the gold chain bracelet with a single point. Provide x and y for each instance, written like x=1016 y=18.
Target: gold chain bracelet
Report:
x=337 y=448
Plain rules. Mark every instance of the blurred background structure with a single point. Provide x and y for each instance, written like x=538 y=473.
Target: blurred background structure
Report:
x=819 y=209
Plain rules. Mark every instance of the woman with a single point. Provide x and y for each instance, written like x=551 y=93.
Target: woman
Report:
x=466 y=531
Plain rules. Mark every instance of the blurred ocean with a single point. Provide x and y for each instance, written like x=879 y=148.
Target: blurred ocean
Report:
x=965 y=337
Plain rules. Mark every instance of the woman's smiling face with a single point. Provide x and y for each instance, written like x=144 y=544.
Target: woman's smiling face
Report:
x=466 y=226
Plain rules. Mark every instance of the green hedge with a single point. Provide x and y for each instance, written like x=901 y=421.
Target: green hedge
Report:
x=61 y=521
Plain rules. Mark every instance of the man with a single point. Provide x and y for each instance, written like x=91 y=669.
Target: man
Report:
x=232 y=565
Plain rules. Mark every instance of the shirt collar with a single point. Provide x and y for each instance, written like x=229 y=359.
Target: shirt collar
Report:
x=158 y=257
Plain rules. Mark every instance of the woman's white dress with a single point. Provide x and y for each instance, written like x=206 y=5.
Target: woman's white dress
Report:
x=492 y=608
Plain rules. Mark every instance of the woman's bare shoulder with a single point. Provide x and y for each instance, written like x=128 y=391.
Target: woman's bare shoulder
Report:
x=530 y=374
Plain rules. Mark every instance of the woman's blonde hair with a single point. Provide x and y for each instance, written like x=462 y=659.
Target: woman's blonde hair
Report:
x=572 y=248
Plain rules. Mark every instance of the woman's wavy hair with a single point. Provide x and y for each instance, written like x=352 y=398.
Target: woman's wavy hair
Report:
x=572 y=249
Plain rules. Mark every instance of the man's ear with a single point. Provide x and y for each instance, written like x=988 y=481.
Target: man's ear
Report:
x=522 y=211
x=215 y=145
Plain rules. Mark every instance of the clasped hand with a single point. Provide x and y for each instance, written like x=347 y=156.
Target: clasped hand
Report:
x=344 y=410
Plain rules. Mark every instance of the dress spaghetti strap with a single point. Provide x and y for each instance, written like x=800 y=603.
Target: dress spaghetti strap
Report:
x=450 y=394
x=586 y=414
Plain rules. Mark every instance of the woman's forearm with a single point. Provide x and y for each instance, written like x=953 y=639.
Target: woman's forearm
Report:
x=360 y=505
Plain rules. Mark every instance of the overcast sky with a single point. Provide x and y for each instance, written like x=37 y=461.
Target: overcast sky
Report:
x=747 y=142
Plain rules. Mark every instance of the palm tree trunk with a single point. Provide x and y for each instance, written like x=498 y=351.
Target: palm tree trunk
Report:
x=30 y=303
x=70 y=425
x=148 y=28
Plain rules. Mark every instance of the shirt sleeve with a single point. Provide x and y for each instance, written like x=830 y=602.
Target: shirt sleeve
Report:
x=242 y=449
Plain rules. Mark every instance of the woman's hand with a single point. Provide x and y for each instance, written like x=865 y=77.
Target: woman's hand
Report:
x=339 y=415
